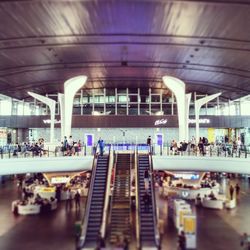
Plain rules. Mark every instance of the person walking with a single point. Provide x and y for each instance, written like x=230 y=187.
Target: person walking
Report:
x=231 y=191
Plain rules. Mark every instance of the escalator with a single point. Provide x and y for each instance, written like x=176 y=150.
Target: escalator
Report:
x=120 y=225
x=148 y=237
x=95 y=204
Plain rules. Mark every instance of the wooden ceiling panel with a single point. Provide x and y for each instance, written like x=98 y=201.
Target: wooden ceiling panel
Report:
x=205 y=43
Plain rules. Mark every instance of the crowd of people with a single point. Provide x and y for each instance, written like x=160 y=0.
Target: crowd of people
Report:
x=70 y=147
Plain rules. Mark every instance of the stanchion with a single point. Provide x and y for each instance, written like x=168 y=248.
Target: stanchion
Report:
x=1 y=153
x=9 y=153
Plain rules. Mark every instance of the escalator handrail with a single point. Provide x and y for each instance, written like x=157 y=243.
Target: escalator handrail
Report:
x=107 y=194
x=154 y=207
x=114 y=176
x=87 y=210
x=138 y=206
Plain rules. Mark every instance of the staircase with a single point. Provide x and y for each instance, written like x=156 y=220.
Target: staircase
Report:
x=147 y=227
x=97 y=202
x=120 y=211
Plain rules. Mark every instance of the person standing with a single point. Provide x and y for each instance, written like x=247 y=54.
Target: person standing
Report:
x=77 y=199
x=231 y=191
x=149 y=143
x=68 y=199
x=146 y=199
x=182 y=240
x=101 y=146
x=146 y=179
x=237 y=189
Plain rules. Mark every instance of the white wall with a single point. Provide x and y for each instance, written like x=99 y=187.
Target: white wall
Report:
x=116 y=134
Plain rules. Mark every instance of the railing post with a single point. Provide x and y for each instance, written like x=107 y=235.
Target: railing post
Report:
x=2 y=153
x=84 y=148
x=9 y=152
x=239 y=153
x=218 y=151
x=210 y=151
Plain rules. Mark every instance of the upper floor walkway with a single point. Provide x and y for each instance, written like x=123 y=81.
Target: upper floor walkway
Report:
x=163 y=159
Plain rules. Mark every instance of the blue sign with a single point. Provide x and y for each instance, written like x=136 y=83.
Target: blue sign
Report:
x=89 y=139
x=159 y=140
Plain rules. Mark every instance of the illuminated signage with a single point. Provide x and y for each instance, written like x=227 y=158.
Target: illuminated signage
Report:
x=201 y=121
x=161 y=122
x=56 y=180
x=187 y=176
x=49 y=121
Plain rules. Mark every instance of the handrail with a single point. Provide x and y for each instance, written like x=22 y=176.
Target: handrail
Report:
x=219 y=150
x=154 y=207
x=107 y=194
x=114 y=175
x=87 y=210
x=137 y=199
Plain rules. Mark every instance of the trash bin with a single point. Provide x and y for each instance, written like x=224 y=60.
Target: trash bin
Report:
x=78 y=229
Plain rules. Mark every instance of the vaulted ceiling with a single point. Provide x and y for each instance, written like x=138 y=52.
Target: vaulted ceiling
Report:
x=125 y=43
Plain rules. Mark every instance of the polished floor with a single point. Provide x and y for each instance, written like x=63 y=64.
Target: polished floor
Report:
x=216 y=229
x=51 y=231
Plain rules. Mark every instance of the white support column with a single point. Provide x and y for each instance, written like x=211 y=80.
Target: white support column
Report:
x=188 y=99
x=178 y=88
x=71 y=86
x=198 y=104
x=52 y=106
x=62 y=108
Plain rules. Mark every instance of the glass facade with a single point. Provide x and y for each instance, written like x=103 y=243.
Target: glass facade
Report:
x=124 y=102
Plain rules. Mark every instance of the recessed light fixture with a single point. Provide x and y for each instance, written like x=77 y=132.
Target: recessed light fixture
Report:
x=196 y=49
x=202 y=41
x=187 y=61
x=192 y=56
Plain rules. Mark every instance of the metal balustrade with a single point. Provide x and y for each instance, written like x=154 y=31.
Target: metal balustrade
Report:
x=220 y=150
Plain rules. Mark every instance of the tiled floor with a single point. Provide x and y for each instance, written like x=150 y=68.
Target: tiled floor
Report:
x=217 y=230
